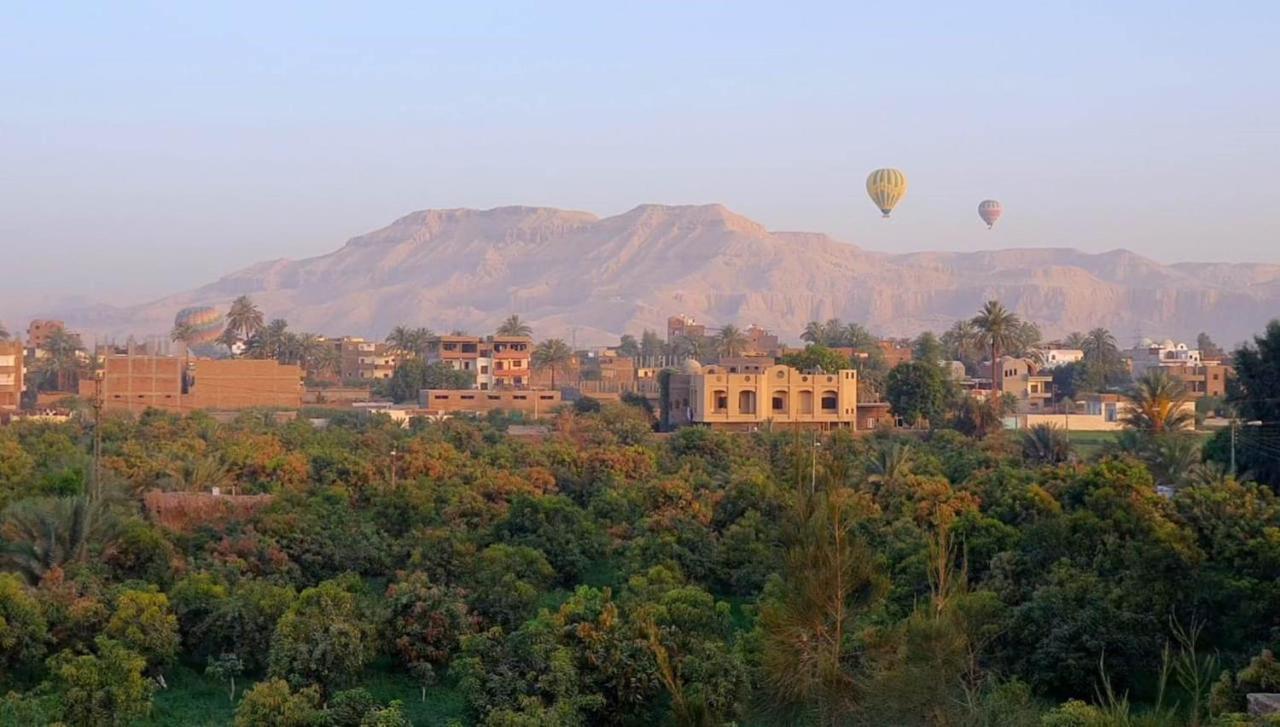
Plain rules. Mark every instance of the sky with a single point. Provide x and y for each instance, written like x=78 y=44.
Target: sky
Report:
x=147 y=148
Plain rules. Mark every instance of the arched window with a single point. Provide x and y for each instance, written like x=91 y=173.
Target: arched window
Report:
x=806 y=401
x=747 y=402
x=779 y=403
x=830 y=402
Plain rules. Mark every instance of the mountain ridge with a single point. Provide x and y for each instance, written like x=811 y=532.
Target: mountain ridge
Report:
x=568 y=271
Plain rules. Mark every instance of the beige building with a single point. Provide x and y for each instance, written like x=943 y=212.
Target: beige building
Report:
x=11 y=375
x=1033 y=390
x=359 y=359
x=1093 y=413
x=774 y=396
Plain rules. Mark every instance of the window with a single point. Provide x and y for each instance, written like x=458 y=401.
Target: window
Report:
x=746 y=402
x=467 y=396
x=806 y=402
x=721 y=399
x=830 y=401
x=779 y=402
x=485 y=369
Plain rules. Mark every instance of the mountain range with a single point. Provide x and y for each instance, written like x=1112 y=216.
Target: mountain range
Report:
x=573 y=274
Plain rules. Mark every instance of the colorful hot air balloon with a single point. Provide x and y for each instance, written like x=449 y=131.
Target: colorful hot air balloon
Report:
x=206 y=324
x=989 y=210
x=887 y=187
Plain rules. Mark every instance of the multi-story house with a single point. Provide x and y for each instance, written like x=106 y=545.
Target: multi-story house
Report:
x=1052 y=358
x=774 y=396
x=1150 y=354
x=365 y=360
x=1033 y=390
x=498 y=362
x=11 y=370
x=683 y=326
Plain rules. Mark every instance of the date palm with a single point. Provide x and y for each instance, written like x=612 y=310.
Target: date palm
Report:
x=1158 y=404
x=998 y=329
x=1099 y=346
x=1074 y=340
x=961 y=339
x=41 y=533
x=1046 y=444
x=244 y=320
x=513 y=326
x=552 y=355
x=730 y=341
x=63 y=361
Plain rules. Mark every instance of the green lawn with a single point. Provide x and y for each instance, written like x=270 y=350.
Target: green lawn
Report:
x=1090 y=444
x=195 y=701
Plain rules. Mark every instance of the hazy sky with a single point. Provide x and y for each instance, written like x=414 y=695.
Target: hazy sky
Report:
x=149 y=147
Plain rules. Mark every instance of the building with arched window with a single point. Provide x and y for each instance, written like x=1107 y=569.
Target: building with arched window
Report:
x=765 y=397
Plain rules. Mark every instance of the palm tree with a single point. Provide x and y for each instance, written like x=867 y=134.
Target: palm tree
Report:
x=1099 y=346
x=513 y=326
x=552 y=355
x=270 y=342
x=730 y=341
x=197 y=474
x=1157 y=404
x=999 y=329
x=63 y=360
x=650 y=343
x=1074 y=340
x=960 y=340
x=1046 y=444
x=889 y=464
x=244 y=320
x=40 y=533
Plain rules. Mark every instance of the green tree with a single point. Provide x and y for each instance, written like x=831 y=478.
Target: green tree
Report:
x=427 y=621
x=999 y=331
x=651 y=344
x=556 y=526
x=106 y=688
x=244 y=321
x=928 y=348
x=628 y=346
x=322 y=639
x=1256 y=396
x=225 y=668
x=918 y=391
x=23 y=630
x=730 y=341
x=506 y=581
x=816 y=357
x=43 y=533
x=552 y=355
x=273 y=703
x=414 y=375
x=144 y=623
x=1158 y=404
x=1046 y=444
x=409 y=343
x=63 y=363
x=513 y=326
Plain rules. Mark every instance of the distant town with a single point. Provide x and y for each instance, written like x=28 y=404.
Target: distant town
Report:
x=993 y=371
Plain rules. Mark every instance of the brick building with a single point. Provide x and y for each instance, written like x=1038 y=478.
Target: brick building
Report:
x=135 y=383
x=443 y=402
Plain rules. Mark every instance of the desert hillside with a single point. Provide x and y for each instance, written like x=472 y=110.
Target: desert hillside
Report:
x=564 y=270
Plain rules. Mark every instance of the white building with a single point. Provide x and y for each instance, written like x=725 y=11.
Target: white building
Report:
x=1150 y=354
x=1052 y=358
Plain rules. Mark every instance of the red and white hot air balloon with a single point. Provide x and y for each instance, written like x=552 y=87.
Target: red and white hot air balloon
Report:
x=989 y=210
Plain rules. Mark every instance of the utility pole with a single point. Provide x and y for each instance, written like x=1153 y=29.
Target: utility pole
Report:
x=813 y=466
x=393 y=469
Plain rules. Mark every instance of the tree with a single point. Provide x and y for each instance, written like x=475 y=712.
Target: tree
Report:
x=1208 y=349
x=928 y=348
x=1157 y=404
x=628 y=347
x=427 y=622
x=225 y=668
x=1046 y=444
x=273 y=703
x=23 y=630
x=651 y=344
x=107 y=688
x=1256 y=396
x=552 y=355
x=183 y=333
x=506 y=581
x=244 y=321
x=889 y=464
x=322 y=639
x=63 y=362
x=918 y=391
x=816 y=357
x=408 y=342
x=807 y=618
x=961 y=341
x=1099 y=347
x=513 y=326
x=42 y=533
x=999 y=330
x=414 y=375
x=730 y=341
x=144 y=623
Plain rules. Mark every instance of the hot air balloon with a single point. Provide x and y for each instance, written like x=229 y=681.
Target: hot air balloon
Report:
x=206 y=324
x=886 y=187
x=989 y=210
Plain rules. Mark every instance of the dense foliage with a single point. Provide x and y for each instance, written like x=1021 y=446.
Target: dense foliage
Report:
x=606 y=575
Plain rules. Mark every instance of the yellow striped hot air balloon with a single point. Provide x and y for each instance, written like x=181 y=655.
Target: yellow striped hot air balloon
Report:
x=886 y=187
